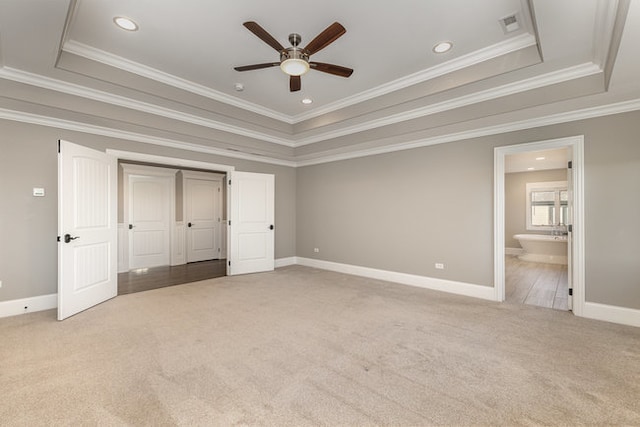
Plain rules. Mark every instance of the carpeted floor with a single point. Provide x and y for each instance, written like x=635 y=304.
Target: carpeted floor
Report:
x=301 y=346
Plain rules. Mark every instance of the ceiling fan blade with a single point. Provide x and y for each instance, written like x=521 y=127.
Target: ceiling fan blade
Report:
x=295 y=83
x=325 y=38
x=256 y=66
x=263 y=35
x=336 y=70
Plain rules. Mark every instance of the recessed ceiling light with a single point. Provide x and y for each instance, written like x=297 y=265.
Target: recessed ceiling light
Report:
x=307 y=101
x=531 y=169
x=125 y=23
x=540 y=158
x=442 y=47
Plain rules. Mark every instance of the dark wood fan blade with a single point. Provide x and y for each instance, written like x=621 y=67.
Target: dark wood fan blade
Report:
x=325 y=38
x=263 y=35
x=336 y=70
x=256 y=66
x=295 y=83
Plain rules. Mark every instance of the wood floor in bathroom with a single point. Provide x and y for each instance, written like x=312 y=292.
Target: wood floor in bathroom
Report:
x=535 y=283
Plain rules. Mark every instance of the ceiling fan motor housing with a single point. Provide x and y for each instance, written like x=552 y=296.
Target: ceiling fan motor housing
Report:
x=294 y=53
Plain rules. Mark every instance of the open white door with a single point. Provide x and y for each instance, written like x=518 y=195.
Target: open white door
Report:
x=87 y=228
x=251 y=225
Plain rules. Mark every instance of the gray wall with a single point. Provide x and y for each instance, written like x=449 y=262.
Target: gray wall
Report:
x=515 y=208
x=28 y=225
x=405 y=211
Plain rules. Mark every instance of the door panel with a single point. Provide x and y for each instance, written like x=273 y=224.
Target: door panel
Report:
x=251 y=232
x=87 y=258
x=150 y=218
x=203 y=212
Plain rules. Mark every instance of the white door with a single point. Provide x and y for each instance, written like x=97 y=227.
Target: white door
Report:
x=149 y=220
x=203 y=216
x=87 y=228
x=251 y=225
x=569 y=222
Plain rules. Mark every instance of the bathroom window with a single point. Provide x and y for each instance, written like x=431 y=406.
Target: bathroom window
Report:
x=547 y=205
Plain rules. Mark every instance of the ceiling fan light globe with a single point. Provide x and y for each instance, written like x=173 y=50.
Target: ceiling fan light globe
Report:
x=294 y=66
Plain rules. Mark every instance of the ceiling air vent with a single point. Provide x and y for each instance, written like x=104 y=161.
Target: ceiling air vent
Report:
x=510 y=23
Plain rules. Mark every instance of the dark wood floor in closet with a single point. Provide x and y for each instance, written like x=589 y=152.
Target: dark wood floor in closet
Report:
x=159 y=277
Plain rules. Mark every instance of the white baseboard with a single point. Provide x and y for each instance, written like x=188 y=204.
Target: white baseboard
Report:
x=283 y=262
x=28 y=305
x=513 y=251
x=459 y=288
x=611 y=313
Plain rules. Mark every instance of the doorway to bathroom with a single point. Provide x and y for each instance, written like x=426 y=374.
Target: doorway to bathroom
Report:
x=538 y=224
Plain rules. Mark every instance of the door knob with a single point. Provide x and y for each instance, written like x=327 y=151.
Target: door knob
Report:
x=271 y=227
x=130 y=226
x=189 y=225
x=68 y=238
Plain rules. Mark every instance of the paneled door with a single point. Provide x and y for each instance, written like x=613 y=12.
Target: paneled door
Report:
x=87 y=228
x=203 y=215
x=149 y=219
x=251 y=226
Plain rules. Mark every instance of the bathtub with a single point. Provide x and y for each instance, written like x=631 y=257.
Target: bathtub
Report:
x=543 y=248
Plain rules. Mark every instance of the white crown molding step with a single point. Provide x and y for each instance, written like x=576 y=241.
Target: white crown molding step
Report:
x=586 y=113
x=554 y=77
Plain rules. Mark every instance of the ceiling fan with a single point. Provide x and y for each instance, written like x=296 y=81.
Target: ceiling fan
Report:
x=294 y=60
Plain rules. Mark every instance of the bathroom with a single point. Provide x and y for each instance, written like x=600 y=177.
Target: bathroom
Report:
x=537 y=209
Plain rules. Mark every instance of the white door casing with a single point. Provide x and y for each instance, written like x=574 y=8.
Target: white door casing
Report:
x=576 y=146
x=569 y=223
x=203 y=215
x=150 y=214
x=87 y=228
x=251 y=227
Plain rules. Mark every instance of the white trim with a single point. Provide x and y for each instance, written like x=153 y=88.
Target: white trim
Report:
x=554 y=77
x=490 y=52
x=611 y=313
x=285 y=262
x=178 y=256
x=37 y=119
x=569 y=116
x=121 y=101
x=28 y=305
x=576 y=144
x=582 y=114
x=513 y=251
x=121 y=63
x=171 y=161
x=459 y=288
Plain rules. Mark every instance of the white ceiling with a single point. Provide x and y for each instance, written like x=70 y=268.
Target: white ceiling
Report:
x=174 y=80
x=536 y=160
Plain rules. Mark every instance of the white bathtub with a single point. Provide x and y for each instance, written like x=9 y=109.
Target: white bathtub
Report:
x=543 y=248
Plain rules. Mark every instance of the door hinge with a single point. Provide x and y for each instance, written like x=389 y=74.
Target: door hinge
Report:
x=58 y=146
x=229 y=223
x=570 y=165
x=570 y=292
x=229 y=263
x=229 y=182
x=58 y=238
x=570 y=228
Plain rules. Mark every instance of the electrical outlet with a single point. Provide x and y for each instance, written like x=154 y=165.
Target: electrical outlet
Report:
x=0 y=283
x=316 y=250
x=439 y=266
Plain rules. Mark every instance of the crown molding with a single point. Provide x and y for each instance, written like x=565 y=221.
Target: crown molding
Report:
x=490 y=52
x=37 y=119
x=109 y=98
x=570 y=116
x=554 y=77
x=121 y=63
x=581 y=114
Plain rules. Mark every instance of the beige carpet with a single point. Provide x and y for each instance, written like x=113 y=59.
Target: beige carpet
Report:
x=301 y=346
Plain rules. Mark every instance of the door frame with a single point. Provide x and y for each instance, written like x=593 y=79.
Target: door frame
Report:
x=172 y=162
x=129 y=170
x=576 y=144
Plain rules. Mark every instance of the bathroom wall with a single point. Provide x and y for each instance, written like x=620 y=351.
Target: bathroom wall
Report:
x=515 y=221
